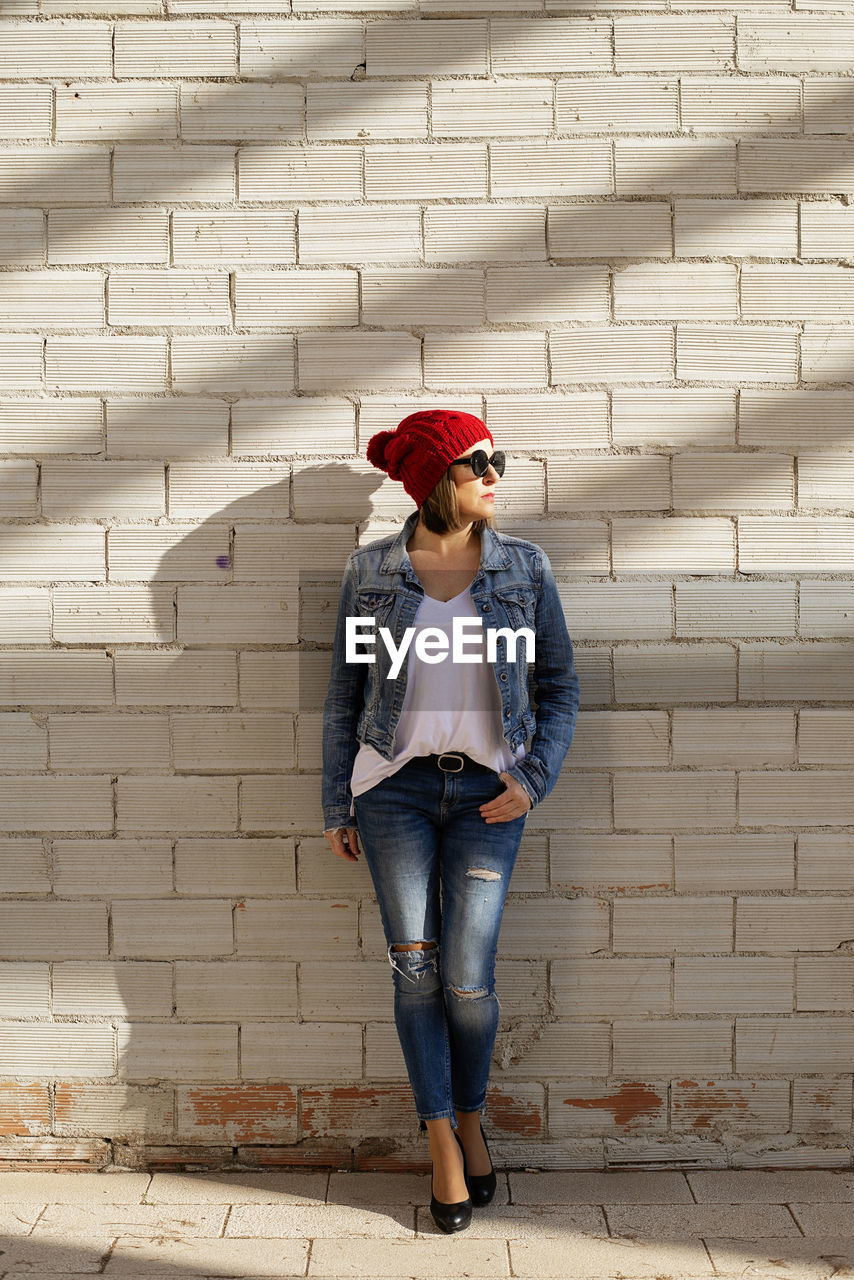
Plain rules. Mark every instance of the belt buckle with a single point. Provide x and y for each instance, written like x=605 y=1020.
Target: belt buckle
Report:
x=455 y=755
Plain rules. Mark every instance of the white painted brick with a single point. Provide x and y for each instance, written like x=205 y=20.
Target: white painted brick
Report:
x=179 y=554
x=123 y=112
x=825 y=737
x=556 y=45
x=255 y=364
x=462 y=233
x=286 y=680
x=291 y=50
x=23 y=743
x=177 y=804
x=25 y=617
x=668 y=799
x=827 y=230
x=826 y=608
x=550 y=168
x=811 y=419
x=676 y=544
x=795 y=164
x=236 y=615
x=296 y=930
x=383 y=413
x=609 y=483
x=99 y=743
x=303 y=1052
x=772 y=672
x=419 y=48
x=93 y=362
x=21 y=237
x=97 y=489
x=797 y=543
x=793 y=1045
x=733 y=736
x=422 y=296
x=296 y=298
x=25 y=987
x=618 y=610
x=55 y=678
x=51 y=299
x=795 y=43
x=759 y=106
x=112 y=989
x=20 y=363
x=538 y=295
x=178 y=173
x=551 y=420
x=58 y=50
x=611 y=353
x=53 y=804
x=735 y=609
x=791 y=291
x=672 y=674
x=57 y=1049
x=665 y=165
x=620 y=228
x=113 y=615
x=43 y=553
x=673 y=416
x=824 y=860
x=201 y=47
x=49 y=177
x=25 y=111
x=573 y=546
x=658 y=291
x=369 y=361
x=674 y=925
x=826 y=482
x=299 y=173
x=233 y=236
x=18 y=495
x=356 y=235
x=429 y=171
x=166 y=930
x=344 y=490
x=731 y=984
x=281 y=804
x=795 y=798
x=243 y=488
x=625 y=104
x=736 y=353
x=230 y=865
x=167 y=428
x=242 y=111
x=179 y=679
x=353 y=6
x=726 y=861
x=755 y=228
x=299 y=426
x=679 y=43
x=168 y=297
x=826 y=353
x=622 y=739
x=477 y=109
x=213 y=991
x=733 y=482
x=367 y=110
x=826 y=105
x=822 y=983
x=233 y=743
x=126 y=235
x=597 y=987
x=490 y=358
x=153 y=1051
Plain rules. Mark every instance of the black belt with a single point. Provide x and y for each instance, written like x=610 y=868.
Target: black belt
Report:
x=453 y=761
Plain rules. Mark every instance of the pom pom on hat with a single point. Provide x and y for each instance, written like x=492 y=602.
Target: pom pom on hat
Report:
x=420 y=449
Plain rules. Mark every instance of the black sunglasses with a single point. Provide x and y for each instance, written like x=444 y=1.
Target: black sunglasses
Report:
x=479 y=461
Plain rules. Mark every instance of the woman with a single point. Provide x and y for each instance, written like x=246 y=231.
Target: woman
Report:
x=424 y=757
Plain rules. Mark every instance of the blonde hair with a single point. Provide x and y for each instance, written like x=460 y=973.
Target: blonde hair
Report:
x=440 y=511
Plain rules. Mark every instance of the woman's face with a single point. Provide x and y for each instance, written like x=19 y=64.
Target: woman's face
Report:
x=476 y=494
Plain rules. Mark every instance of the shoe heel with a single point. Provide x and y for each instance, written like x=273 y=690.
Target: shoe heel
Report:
x=481 y=1186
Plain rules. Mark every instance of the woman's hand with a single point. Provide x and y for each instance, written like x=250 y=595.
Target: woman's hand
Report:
x=336 y=837
x=512 y=802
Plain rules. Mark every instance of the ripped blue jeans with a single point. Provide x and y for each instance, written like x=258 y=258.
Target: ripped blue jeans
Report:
x=441 y=874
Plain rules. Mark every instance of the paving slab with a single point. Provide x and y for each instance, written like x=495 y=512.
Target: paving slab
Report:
x=659 y=1222
x=382 y=1189
x=427 y=1259
x=730 y=1186
x=328 y=1221
x=523 y=1222
x=621 y=1186
x=834 y=1219
x=583 y=1257
x=208 y=1257
x=818 y=1258
x=73 y=1188
x=296 y=1186
x=144 y=1220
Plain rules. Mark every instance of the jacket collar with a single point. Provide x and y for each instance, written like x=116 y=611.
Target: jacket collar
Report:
x=493 y=555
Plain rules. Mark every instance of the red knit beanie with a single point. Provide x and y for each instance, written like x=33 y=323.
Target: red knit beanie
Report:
x=421 y=447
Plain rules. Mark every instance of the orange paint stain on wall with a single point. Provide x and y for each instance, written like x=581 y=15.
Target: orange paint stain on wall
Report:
x=628 y=1101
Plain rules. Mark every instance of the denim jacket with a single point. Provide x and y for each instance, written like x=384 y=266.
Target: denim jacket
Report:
x=514 y=587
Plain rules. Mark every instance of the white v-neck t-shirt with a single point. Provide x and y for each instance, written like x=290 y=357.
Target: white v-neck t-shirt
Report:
x=448 y=706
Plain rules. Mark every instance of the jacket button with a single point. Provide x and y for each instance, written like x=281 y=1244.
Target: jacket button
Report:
x=503 y=675
x=486 y=608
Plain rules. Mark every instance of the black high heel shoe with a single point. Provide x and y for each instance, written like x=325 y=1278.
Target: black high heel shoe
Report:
x=451 y=1215
x=481 y=1186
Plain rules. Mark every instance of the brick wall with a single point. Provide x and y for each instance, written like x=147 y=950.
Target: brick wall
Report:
x=236 y=242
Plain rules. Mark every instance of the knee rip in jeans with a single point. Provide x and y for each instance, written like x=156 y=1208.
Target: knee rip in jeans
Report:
x=469 y=993
x=421 y=966
x=483 y=873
